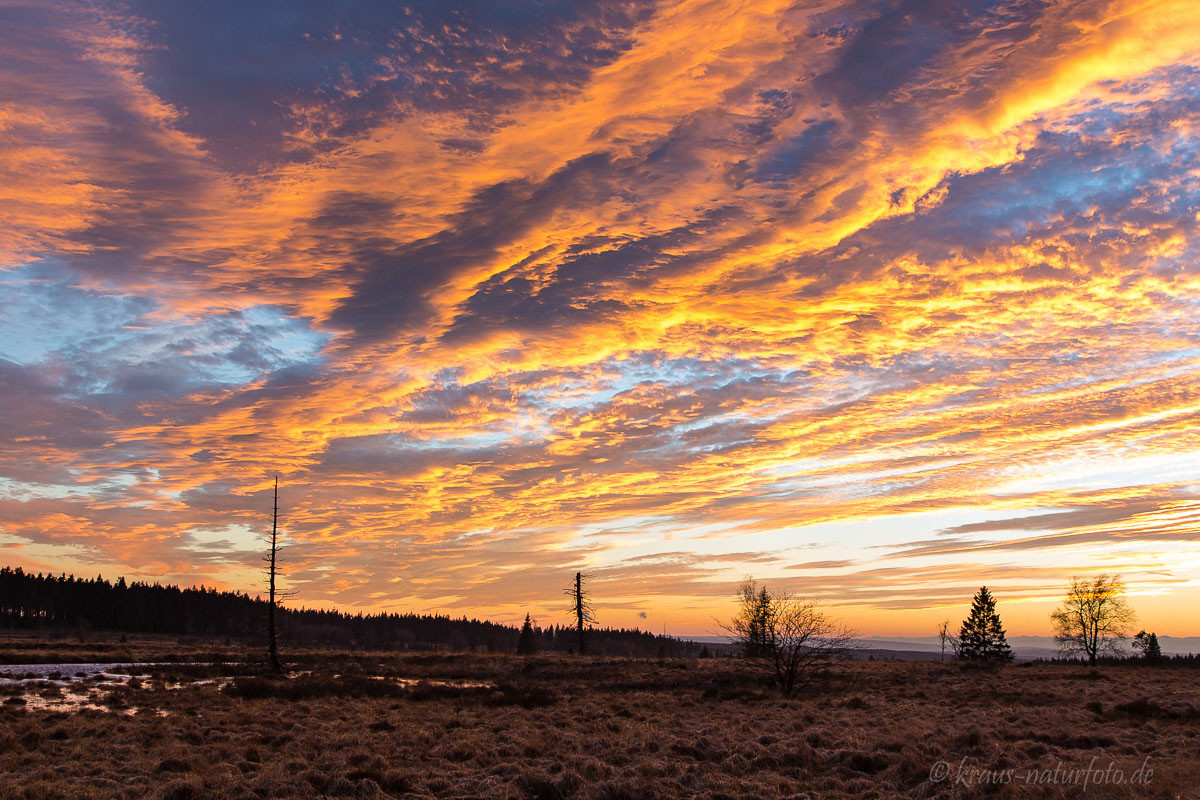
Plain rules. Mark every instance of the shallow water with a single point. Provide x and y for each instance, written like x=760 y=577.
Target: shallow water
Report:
x=85 y=687
x=89 y=700
x=80 y=687
x=410 y=682
x=406 y=682
x=69 y=673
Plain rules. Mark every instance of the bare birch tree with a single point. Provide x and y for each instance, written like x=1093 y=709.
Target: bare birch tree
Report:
x=947 y=638
x=1094 y=617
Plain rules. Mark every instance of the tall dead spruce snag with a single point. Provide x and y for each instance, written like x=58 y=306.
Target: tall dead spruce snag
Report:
x=271 y=559
x=582 y=609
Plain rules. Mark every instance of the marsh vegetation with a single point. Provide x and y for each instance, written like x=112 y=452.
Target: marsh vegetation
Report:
x=346 y=724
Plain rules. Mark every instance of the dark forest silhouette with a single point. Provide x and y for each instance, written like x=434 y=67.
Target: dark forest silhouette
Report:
x=66 y=603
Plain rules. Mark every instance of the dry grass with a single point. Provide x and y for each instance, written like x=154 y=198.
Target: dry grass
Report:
x=32 y=648
x=554 y=727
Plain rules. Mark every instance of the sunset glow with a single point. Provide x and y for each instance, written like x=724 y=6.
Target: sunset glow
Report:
x=878 y=302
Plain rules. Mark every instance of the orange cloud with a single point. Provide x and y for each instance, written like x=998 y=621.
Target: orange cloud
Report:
x=501 y=299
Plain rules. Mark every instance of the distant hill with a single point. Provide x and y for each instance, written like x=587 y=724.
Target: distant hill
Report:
x=928 y=648
x=1025 y=648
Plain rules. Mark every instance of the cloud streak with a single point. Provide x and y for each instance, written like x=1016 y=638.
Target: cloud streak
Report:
x=635 y=288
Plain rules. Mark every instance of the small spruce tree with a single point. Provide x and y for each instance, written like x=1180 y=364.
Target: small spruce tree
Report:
x=758 y=606
x=1153 y=650
x=981 y=637
x=1147 y=644
x=527 y=643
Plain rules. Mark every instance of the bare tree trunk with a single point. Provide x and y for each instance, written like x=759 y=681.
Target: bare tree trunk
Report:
x=272 y=555
x=944 y=637
x=580 y=613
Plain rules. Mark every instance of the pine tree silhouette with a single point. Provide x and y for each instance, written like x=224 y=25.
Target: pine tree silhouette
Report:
x=1153 y=650
x=981 y=637
x=758 y=624
x=65 y=603
x=527 y=643
x=1147 y=644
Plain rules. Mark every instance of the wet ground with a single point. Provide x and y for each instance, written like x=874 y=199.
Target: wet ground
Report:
x=349 y=725
x=109 y=687
x=80 y=687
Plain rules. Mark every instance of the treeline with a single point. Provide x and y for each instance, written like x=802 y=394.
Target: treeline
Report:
x=67 y=603
x=1176 y=660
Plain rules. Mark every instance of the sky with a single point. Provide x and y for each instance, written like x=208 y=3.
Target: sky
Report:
x=876 y=302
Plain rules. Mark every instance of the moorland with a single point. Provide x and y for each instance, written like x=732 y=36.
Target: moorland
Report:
x=208 y=723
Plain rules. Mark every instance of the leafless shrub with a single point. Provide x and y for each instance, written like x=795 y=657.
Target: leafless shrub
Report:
x=785 y=635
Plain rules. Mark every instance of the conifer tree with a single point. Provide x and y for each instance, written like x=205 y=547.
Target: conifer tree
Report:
x=1147 y=644
x=758 y=610
x=1153 y=650
x=527 y=643
x=981 y=637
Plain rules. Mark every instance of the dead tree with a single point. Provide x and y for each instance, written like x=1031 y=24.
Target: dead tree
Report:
x=946 y=638
x=582 y=609
x=272 y=562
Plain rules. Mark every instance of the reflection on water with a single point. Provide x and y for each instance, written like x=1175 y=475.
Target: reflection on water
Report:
x=70 y=700
x=103 y=687
x=406 y=682
x=10 y=673
x=80 y=687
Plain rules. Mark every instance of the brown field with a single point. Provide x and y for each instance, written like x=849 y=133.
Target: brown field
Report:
x=29 y=648
x=560 y=727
